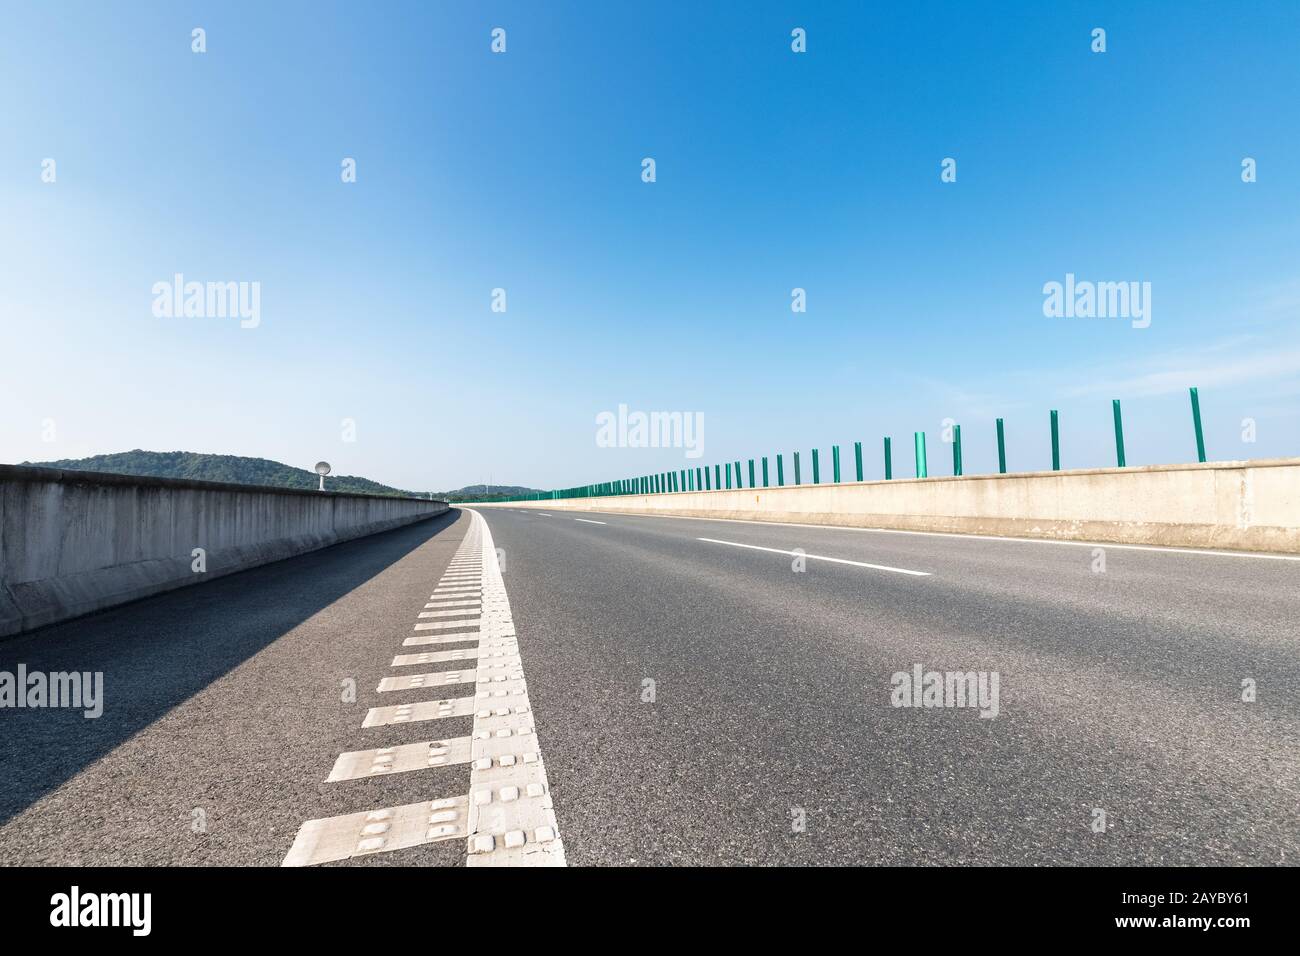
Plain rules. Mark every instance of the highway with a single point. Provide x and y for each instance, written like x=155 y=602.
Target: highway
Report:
x=700 y=692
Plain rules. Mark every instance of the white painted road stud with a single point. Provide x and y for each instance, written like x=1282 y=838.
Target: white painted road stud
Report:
x=375 y=831
x=423 y=710
x=445 y=625
x=383 y=761
x=456 y=654
x=402 y=660
x=418 y=681
x=422 y=640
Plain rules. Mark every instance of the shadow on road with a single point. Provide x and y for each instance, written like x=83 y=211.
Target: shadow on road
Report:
x=157 y=653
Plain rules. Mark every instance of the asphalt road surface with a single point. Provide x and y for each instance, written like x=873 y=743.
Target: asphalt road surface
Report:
x=703 y=693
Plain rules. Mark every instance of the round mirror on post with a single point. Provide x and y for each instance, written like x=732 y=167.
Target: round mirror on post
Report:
x=322 y=469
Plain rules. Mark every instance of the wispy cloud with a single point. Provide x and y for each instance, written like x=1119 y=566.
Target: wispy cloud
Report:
x=1213 y=366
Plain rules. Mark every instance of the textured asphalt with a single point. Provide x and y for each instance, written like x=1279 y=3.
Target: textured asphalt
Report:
x=1119 y=691
x=224 y=713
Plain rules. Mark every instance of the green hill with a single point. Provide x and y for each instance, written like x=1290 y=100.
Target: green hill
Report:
x=237 y=469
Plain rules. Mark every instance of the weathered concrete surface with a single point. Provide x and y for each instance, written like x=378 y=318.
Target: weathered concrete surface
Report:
x=1240 y=505
x=72 y=542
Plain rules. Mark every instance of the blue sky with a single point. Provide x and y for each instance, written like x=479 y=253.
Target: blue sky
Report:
x=522 y=171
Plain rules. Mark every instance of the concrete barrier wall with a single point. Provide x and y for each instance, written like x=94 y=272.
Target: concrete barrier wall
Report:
x=1243 y=505
x=72 y=542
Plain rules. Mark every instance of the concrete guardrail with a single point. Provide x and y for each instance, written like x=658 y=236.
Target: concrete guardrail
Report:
x=72 y=542
x=1240 y=505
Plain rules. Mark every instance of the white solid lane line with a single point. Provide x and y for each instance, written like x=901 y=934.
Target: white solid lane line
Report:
x=819 y=557
x=588 y=521
x=511 y=819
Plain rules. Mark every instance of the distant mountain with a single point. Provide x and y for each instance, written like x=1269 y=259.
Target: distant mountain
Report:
x=489 y=492
x=250 y=471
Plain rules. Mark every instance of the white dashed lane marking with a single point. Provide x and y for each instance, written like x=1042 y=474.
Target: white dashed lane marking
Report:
x=462 y=654
x=588 y=521
x=395 y=828
x=446 y=625
x=818 y=557
x=434 y=679
x=407 y=757
x=423 y=658
x=426 y=639
x=425 y=709
x=507 y=819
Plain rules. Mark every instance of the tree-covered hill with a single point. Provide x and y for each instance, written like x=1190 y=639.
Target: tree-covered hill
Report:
x=249 y=471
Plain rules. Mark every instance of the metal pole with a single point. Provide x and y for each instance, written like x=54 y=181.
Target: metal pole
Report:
x=889 y=460
x=918 y=440
x=1002 y=450
x=956 y=449
x=1056 y=441
x=1196 y=420
x=817 y=472
x=857 y=456
x=1119 y=434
